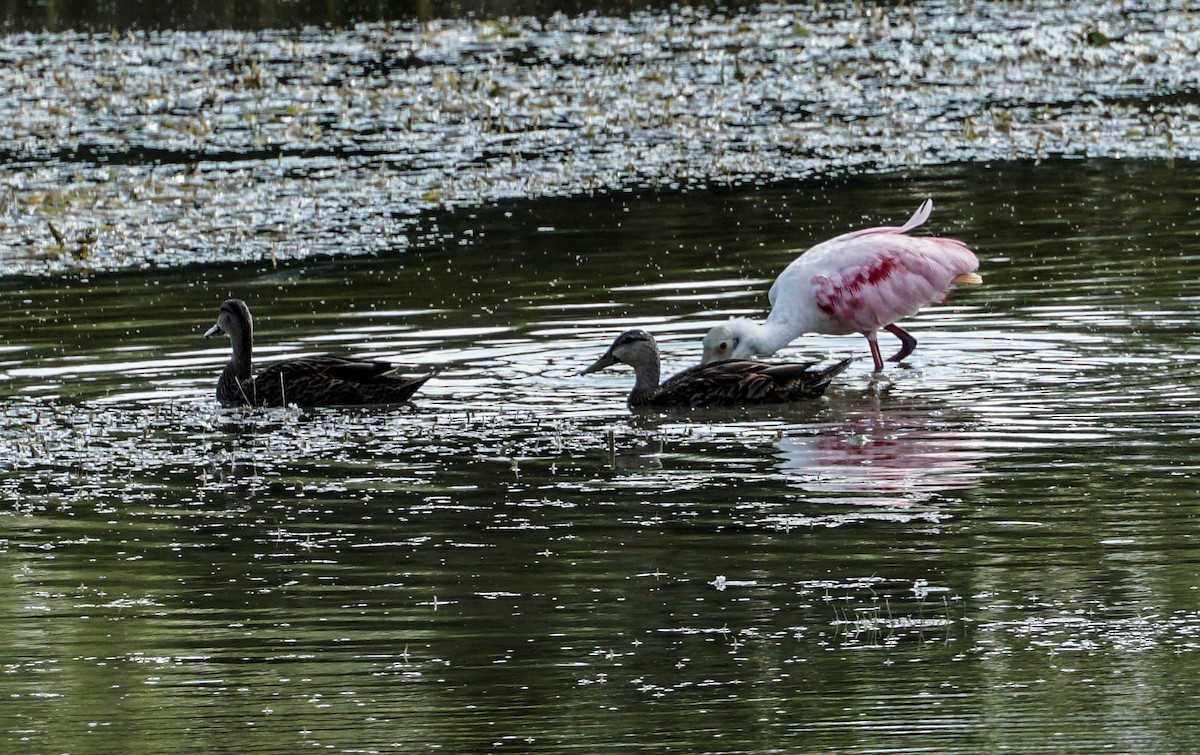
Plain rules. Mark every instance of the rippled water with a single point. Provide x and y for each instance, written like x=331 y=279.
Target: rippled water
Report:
x=992 y=547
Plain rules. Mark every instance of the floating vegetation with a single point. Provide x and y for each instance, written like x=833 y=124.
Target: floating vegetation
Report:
x=178 y=147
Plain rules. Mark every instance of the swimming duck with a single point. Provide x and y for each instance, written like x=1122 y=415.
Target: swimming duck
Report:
x=733 y=382
x=859 y=282
x=306 y=381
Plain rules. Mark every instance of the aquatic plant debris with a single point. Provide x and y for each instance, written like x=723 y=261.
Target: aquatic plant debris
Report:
x=172 y=148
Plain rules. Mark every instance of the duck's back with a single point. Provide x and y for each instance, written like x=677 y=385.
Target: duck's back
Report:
x=741 y=382
x=321 y=381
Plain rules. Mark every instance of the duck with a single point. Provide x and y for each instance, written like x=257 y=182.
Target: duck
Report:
x=860 y=282
x=731 y=382
x=306 y=381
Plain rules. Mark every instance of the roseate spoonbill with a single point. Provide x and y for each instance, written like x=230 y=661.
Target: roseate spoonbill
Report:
x=858 y=282
x=734 y=382
x=307 y=381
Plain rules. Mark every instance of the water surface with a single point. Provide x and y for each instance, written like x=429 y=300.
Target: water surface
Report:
x=991 y=547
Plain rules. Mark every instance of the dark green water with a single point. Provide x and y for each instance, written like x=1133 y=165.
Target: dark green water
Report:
x=991 y=549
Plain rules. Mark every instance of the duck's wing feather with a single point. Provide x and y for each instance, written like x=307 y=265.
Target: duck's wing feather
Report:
x=738 y=382
x=330 y=380
x=352 y=370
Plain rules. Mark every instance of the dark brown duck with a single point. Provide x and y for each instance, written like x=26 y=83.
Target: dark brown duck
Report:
x=307 y=381
x=734 y=382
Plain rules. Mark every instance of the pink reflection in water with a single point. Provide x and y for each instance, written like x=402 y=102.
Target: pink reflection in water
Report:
x=896 y=455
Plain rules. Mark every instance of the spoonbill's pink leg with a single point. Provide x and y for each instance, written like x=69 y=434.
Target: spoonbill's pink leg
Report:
x=875 y=351
x=907 y=342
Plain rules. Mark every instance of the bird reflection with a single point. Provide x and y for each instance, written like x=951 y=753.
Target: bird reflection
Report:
x=902 y=452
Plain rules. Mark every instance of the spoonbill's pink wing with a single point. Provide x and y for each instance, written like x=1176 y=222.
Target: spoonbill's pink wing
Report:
x=832 y=254
x=886 y=278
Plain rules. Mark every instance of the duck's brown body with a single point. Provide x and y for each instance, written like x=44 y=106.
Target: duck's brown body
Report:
x=734 y=382
x=307 y=381
x=317 y=381
x=739 y=382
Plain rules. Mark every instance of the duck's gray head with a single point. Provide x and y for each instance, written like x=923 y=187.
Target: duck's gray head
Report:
x=719 y=344
x=633 y=347
x=234 y=317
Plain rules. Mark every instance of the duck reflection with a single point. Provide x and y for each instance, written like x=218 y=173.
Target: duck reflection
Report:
x=902 y=452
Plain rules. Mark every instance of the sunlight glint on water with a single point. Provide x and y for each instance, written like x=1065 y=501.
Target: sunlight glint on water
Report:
x=1000 y=530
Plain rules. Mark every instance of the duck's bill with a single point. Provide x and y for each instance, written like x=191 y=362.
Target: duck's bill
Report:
x=214 y=331
x=605 y=361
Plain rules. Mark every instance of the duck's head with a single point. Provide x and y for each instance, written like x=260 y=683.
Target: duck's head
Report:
x=720 y=344
x=633 y=347
x=234 y=317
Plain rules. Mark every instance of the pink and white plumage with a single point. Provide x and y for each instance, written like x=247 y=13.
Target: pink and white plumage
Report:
x=859 y=282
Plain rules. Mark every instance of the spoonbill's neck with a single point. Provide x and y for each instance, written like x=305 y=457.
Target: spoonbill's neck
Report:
x=761 y=339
